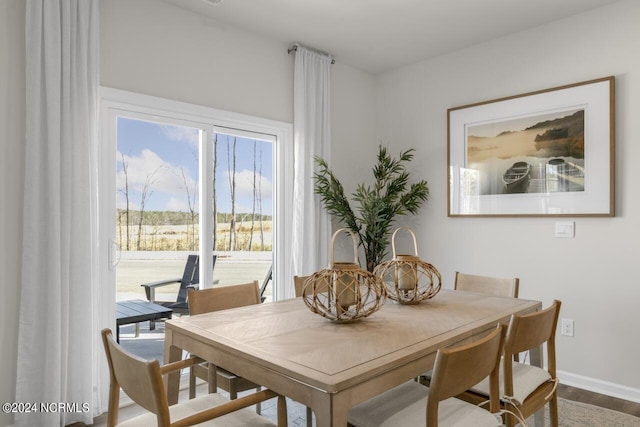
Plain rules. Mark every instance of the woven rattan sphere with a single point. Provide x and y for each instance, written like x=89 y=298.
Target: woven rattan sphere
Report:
x=407 y=279
x=344 y=292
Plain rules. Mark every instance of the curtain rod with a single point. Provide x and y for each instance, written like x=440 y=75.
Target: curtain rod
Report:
x=295 y=48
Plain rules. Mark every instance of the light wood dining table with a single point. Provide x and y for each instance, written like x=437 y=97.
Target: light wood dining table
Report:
x=331 y=367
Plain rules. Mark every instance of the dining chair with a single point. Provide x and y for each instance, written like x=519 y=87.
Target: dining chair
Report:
x=455 y=370
x=215 y=299
x=525 y=389
x=142 y=381
x=496 y=286
x=298 y=283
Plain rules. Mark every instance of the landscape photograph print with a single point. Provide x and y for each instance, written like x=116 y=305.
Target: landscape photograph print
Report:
x=540 y=153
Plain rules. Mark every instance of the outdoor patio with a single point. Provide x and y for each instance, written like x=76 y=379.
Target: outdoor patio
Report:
x=136 y=268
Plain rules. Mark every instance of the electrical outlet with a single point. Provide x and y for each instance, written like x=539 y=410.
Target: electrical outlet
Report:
x=566 y=327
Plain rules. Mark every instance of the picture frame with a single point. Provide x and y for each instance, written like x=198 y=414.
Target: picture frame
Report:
x=543 y=153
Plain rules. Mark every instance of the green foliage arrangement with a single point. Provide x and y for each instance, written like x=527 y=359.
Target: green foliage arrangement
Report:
x=376 y=206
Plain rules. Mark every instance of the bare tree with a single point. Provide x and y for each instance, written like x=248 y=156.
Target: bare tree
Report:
x=192 y=201
x=232 y=187
x=215 y=198
x=125 y=192
x=253 y=209
x=259 y=196
x=120 y=215
x=146 y=192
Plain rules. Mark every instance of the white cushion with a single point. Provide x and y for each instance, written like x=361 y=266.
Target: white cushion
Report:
x=526 y=379
x=406 y=405
x=241 y=418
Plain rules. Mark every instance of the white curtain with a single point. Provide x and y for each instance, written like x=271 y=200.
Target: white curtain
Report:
x=60 y=358
x=311 y=226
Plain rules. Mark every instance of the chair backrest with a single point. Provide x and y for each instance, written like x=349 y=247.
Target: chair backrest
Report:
x=500 y=287
x=532 y=330
x=223 y=297
x=298 y=283
x=191 y=276
x=140 y=379
x=458 y=369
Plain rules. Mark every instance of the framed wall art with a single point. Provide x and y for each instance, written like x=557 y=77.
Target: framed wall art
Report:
x=544 y=153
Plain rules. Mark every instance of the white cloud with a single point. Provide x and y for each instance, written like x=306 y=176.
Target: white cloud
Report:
x=244 y=184
x=181 y=133
x=179 y=205
x=158 y=175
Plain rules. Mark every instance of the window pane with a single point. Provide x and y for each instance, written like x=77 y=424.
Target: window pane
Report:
x=243 y=205
x=157 y=203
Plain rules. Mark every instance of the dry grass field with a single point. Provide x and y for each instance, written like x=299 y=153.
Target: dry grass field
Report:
x=163 y=237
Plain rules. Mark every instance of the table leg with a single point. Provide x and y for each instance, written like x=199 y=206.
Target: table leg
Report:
x=331 y=413
x=171 y=354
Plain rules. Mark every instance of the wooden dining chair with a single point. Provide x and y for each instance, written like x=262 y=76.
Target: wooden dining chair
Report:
x=298 y=283
x=215 y=299
x=142 y=381
x=496 y=286
x=525 y=389
x=454 y=370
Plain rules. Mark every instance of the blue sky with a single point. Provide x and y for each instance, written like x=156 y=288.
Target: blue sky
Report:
x=165 y=157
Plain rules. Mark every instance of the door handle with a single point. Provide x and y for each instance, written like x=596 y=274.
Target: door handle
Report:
x=114 y=254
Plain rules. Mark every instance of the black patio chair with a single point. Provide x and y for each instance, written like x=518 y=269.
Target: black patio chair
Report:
x=190 y=279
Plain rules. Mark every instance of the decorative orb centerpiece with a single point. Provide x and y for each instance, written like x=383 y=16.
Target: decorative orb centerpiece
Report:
x=344 y=292
x=407 y=279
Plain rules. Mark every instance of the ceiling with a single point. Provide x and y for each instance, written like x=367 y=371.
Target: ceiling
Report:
x=379 y=35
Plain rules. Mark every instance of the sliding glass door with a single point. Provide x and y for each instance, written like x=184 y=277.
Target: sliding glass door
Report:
x=184 y=183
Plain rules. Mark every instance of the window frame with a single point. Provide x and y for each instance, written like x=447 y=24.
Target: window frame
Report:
x=116 y=102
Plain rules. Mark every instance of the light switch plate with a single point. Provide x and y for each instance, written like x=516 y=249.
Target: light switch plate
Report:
x=565 y=229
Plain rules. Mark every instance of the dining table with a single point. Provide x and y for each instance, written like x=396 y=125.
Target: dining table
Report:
x=328 y=366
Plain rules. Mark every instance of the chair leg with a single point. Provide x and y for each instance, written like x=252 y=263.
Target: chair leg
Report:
x=212 y=377
x=282 y=412
x=259 y=404
x=553 y=410
x=510 y=420
x=192 y=383
x=233 y=392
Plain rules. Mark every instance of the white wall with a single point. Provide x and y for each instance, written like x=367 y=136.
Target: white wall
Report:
x=593 y=274
x=12 y=90
x=155 y=48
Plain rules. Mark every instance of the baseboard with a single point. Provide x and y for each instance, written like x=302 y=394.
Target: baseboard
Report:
x=599 y=386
